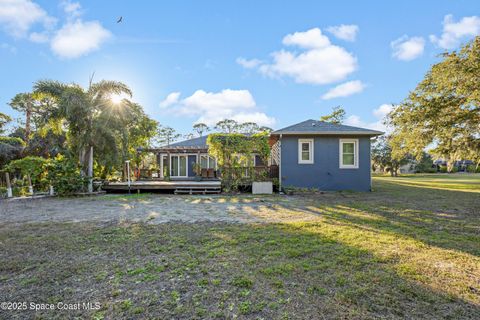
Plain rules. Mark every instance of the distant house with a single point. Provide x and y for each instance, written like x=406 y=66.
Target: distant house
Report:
x=310 y=154
x=460 y=165
x=316 y=154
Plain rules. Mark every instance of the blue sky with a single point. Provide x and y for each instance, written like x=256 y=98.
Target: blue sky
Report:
x=276 y=63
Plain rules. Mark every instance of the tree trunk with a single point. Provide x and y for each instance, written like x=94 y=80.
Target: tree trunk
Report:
x=28 y=115
x=81 y=161
x=450 y=165
x=90 y=170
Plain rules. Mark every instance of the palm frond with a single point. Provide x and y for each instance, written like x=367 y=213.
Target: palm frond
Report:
x=107 y=87
x=52 y=87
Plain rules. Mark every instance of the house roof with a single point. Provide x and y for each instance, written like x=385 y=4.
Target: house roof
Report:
x=199 y=142
x=315 y=127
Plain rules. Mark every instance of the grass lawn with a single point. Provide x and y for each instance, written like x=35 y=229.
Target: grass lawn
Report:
x=409 y=249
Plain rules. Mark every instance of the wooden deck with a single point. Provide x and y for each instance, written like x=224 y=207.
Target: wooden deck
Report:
x=212 y=186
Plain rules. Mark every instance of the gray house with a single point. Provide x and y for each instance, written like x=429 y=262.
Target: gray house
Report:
x=312 y=154
x=316 y=154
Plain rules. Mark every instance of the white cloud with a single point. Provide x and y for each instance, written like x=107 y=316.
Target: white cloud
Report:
x=211 y=107
x=405 y=48
x=248 y=64
x=454 y=32
x=18 y=16
x=344 y=90
x=347 y=32
x=39 y=37
x=310 y=39
x=73 y=39
x=72 y=9
x=321 y=62
x=78 y=38
x=170 y=100
x=380 y=113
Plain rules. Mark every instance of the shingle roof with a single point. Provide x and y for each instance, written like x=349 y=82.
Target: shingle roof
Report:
x=319 y=127
x=200 y=142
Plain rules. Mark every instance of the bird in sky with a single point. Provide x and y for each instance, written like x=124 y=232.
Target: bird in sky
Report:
x=120 y=19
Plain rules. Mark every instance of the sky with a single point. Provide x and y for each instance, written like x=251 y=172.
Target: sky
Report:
x=275 y=63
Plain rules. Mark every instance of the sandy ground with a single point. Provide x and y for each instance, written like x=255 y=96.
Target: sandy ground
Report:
x=155 y=208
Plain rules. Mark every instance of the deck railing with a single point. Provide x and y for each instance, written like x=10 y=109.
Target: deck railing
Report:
x=270 y=172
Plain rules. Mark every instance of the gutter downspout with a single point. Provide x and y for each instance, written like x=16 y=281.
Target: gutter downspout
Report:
x=280 y=165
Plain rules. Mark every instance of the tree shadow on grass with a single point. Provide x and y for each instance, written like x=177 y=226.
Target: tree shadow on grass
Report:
x=209 y=270
x=440 y=230
x=401 y=193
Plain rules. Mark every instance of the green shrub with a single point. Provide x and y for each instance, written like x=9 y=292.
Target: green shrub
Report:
x=443 y=169
x=13 y=141
x=10 y=148
x=472 y=168
x=35 y=167
x=425 y=164
x=64 y=175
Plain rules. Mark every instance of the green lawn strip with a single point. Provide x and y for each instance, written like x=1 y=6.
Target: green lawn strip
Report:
x=173 y=270
x=401 y=251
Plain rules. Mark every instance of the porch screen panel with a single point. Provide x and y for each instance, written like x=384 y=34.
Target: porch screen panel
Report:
x=212 y=162
x=165 y=166
x=183 y=166
x=204 y=162
x=174 y=166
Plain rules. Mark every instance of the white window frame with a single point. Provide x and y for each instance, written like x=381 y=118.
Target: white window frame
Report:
x=355 y=154
x=178 y=155
x=311 y=153
x=210 y=159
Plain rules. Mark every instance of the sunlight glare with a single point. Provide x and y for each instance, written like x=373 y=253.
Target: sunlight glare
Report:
x=117 y=98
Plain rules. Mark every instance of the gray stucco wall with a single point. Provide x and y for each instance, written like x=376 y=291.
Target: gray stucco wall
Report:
x=325 y=172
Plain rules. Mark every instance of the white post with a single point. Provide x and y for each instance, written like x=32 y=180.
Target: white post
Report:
x=30 y=187
x=52 y=192
x=9 y=186
x=90 y=170
x=128 y=174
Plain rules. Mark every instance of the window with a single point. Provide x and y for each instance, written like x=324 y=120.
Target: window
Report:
x=204 y=162
x=178 y=166
x=348 y=153
x=207 y=162
x=305 y=151
x=164 y=166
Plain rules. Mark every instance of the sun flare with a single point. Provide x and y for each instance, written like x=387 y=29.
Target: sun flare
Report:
x=117 y=98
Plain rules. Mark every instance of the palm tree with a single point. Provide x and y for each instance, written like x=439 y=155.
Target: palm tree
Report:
x=24 y=102
x=90 y=114
x=4 y=119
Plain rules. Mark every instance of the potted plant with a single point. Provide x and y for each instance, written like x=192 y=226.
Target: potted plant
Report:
x=197 y=169
x=262 y=184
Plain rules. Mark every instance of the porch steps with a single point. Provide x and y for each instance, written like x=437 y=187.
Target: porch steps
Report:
x=197 y=190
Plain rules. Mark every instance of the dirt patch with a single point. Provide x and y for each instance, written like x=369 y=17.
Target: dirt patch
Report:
x=150 y=208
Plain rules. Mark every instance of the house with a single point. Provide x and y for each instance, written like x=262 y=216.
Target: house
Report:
x=311 y=154
x=322 y=155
